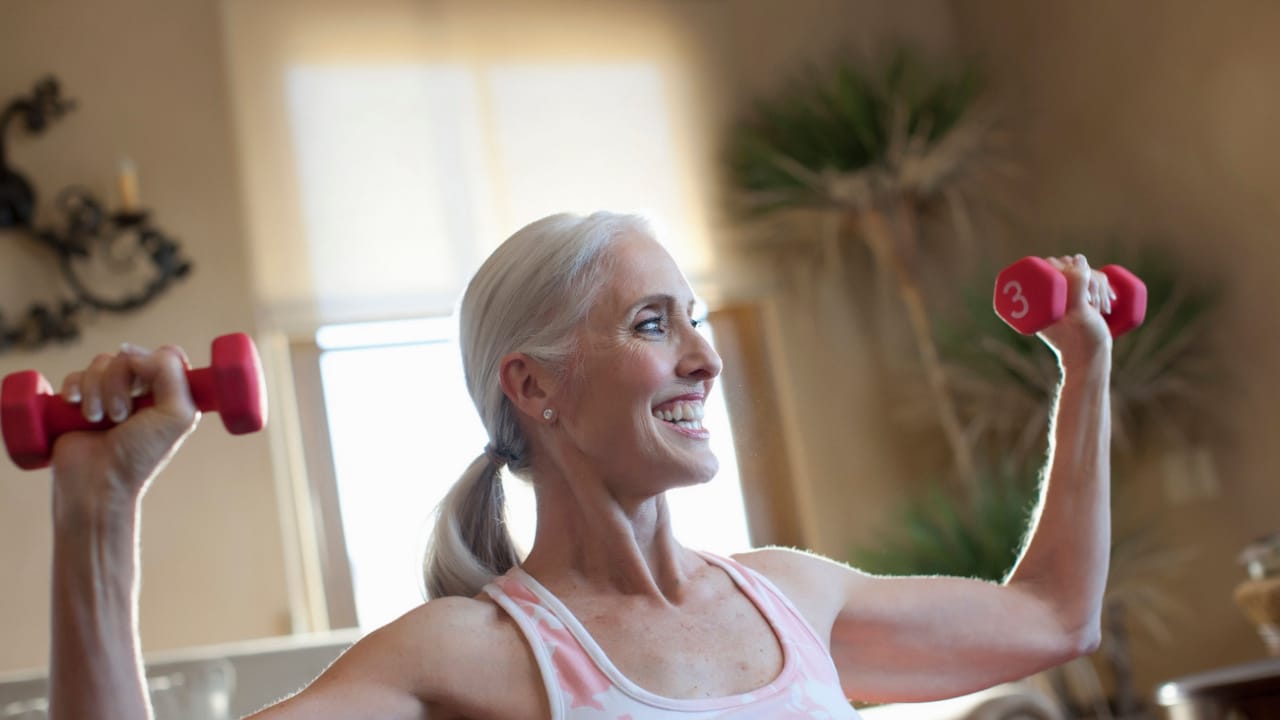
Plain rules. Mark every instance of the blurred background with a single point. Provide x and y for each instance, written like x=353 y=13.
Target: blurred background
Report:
x=840 y=180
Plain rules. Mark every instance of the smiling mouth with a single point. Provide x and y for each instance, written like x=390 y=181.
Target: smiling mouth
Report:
x=684 y=414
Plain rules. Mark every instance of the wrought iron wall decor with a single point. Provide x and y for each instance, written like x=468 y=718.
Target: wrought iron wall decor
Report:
x=111 y=261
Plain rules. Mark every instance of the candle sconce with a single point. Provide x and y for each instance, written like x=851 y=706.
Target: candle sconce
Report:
x=113 y=262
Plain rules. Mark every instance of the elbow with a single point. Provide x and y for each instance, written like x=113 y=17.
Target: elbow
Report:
x=1081 y=641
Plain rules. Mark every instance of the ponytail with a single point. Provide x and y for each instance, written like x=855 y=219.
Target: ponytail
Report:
x=470 y=544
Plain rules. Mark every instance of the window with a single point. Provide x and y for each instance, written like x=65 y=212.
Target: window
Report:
x=402 y=430
x=377 y=181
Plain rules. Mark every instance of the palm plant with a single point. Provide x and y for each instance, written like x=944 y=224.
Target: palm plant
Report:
x=874 y=152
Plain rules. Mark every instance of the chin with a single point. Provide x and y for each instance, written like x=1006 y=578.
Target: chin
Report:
x=698 y=473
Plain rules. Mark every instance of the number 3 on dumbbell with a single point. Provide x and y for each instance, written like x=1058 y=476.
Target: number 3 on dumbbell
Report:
x=1031 y=295
x=1018 y=297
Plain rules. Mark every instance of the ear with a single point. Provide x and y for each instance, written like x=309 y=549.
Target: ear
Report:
x=526 y=383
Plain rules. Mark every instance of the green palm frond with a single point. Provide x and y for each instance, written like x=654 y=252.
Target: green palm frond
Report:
x=940 y=533
x=842 y=124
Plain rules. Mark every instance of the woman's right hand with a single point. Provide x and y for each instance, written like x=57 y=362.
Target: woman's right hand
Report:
x=94 y=469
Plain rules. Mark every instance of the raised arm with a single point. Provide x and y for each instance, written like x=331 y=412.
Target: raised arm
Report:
x=436 y=658
x=98 y=481
x=908 y=639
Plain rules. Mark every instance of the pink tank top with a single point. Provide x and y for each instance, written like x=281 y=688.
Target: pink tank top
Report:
x=584 y=685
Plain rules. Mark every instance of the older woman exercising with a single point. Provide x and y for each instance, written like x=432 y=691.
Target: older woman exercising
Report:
x=584 y=359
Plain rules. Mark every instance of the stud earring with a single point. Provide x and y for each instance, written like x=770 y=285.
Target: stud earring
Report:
x=548 y=414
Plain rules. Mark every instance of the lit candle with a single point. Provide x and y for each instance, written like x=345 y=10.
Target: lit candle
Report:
x=127 y=186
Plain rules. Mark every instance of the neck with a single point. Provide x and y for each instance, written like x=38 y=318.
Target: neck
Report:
x=589 y=540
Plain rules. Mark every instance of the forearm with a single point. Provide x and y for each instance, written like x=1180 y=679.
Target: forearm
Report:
x=95 y=668
x=1067 y=557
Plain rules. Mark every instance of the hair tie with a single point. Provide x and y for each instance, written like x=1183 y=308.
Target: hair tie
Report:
x=497 y=457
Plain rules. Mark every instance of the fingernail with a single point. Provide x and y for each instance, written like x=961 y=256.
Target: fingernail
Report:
x=73 y=394
x=131 y=349
x=119 y=411
x=93 y=410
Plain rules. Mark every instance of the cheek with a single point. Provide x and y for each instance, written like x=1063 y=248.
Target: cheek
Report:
x=622 y=384
x=644 y=373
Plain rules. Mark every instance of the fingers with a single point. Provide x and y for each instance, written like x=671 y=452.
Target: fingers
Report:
x=71 y=388
x=1084 y=285
x=120 y=379
x=107 y=388
x=91 y=404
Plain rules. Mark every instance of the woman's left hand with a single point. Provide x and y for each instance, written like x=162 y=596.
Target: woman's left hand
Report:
x=1082 y=334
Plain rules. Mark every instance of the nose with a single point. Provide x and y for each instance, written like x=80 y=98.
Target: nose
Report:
x=698 y=358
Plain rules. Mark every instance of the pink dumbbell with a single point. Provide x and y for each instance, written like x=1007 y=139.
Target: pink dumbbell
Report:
x=1031 y=295
x=32 y=416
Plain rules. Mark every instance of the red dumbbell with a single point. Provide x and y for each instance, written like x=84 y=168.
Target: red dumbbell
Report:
x=32 y=416
x=1031 y=295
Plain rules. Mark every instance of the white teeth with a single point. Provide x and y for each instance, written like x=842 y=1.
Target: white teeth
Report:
x=684 y=414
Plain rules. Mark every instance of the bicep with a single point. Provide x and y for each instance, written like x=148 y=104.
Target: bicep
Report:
x=369 y=680
x=444 y=660
x=912 y=639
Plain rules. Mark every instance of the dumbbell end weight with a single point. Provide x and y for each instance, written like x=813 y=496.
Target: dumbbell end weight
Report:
x=1129 y=308
x=234 y=379
x=22 y=419
x=1030 y=295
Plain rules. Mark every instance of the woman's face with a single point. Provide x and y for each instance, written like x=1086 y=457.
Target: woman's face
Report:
x=633 y=400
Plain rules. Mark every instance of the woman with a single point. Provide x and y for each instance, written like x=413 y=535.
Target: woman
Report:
x=583 y=356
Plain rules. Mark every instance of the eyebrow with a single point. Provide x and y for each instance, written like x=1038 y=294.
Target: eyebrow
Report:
x=666 y=300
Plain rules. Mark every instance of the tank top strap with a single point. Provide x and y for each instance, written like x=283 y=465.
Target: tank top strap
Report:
x=523 y=608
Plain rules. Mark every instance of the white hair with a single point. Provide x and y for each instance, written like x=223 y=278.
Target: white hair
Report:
x=529 y=296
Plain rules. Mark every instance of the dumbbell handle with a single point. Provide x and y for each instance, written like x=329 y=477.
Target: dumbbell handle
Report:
x=32 y=416
x=61 y=417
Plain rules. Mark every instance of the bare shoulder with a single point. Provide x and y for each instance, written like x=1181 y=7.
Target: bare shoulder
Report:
x=464 y=643
x=456 y=624
x=816 y=585
x=439 y=658
x=788 y=567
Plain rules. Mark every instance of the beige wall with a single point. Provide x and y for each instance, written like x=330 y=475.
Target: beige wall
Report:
x=1157 y=121
x=1140 y=118
x=148 y=77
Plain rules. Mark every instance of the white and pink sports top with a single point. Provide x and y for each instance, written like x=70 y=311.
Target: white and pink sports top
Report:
x=584 y=685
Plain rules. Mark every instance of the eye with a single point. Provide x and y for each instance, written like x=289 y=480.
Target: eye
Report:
x=651 y=326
